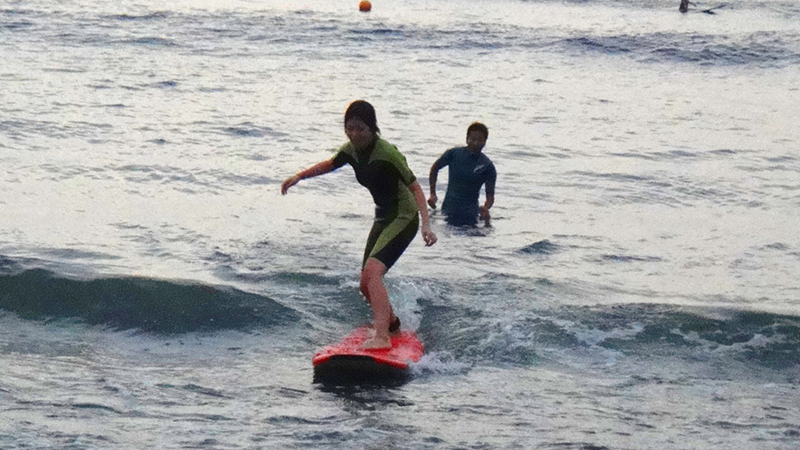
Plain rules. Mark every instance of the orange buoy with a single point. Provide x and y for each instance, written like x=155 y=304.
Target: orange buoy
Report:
x=365 y=6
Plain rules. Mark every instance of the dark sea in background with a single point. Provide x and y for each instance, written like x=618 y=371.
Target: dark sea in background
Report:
x=638 y=289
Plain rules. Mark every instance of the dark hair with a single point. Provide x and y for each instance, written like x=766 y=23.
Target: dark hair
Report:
x=362 y=110
x=477 y=126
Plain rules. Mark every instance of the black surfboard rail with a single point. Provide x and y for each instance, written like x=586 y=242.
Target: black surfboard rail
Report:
x=358 y=370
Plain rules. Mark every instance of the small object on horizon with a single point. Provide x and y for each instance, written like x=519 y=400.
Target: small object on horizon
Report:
x=711 y=10
x=365 y=6
x=684 y=7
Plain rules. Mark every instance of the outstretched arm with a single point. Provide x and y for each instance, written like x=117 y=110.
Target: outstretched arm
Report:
x=419 y=197
x=320 y=168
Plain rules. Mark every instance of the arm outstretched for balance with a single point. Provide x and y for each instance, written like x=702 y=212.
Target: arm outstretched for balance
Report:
x=320 y=168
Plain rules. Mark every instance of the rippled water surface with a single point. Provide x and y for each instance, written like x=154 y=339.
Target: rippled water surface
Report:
x=637 y=288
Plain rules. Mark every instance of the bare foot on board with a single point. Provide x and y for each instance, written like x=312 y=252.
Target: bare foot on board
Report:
x=377 y=343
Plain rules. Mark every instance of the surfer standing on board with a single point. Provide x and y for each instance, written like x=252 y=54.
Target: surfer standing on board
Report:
x=399 y=203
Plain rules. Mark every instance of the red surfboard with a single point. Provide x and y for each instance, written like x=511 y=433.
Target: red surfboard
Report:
x=347 y=362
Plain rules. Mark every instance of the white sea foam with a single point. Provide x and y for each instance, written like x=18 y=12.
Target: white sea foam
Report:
x=655 y=150
x=443 y=363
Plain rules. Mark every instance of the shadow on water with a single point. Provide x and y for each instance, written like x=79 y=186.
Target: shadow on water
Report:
x=366 y=395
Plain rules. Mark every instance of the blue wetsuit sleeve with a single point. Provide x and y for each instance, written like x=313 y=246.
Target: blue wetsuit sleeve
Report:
x=491 y=178
x=443 y=160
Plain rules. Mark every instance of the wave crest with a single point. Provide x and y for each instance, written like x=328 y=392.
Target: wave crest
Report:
x=146 y=304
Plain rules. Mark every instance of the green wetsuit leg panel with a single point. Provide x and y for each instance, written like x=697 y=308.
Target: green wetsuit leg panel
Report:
x=387 y=241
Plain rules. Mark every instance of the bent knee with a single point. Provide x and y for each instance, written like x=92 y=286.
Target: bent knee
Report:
x=373 y=268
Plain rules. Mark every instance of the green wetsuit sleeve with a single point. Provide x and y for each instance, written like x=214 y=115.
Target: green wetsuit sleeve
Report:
x=391 y=154
x=343 y=156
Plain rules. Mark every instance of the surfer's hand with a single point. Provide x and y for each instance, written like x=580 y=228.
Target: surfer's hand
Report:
x=428 y=236
x=289 y=182
x=484 y=215
x=432 y=200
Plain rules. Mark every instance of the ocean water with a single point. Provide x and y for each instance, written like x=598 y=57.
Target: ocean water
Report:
x=637 y=289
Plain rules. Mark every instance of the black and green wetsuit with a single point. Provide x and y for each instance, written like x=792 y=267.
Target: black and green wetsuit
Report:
x=383 y=170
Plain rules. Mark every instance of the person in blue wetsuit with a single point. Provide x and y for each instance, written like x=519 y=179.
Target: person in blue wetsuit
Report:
x=469 y=169
x=399 y=204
